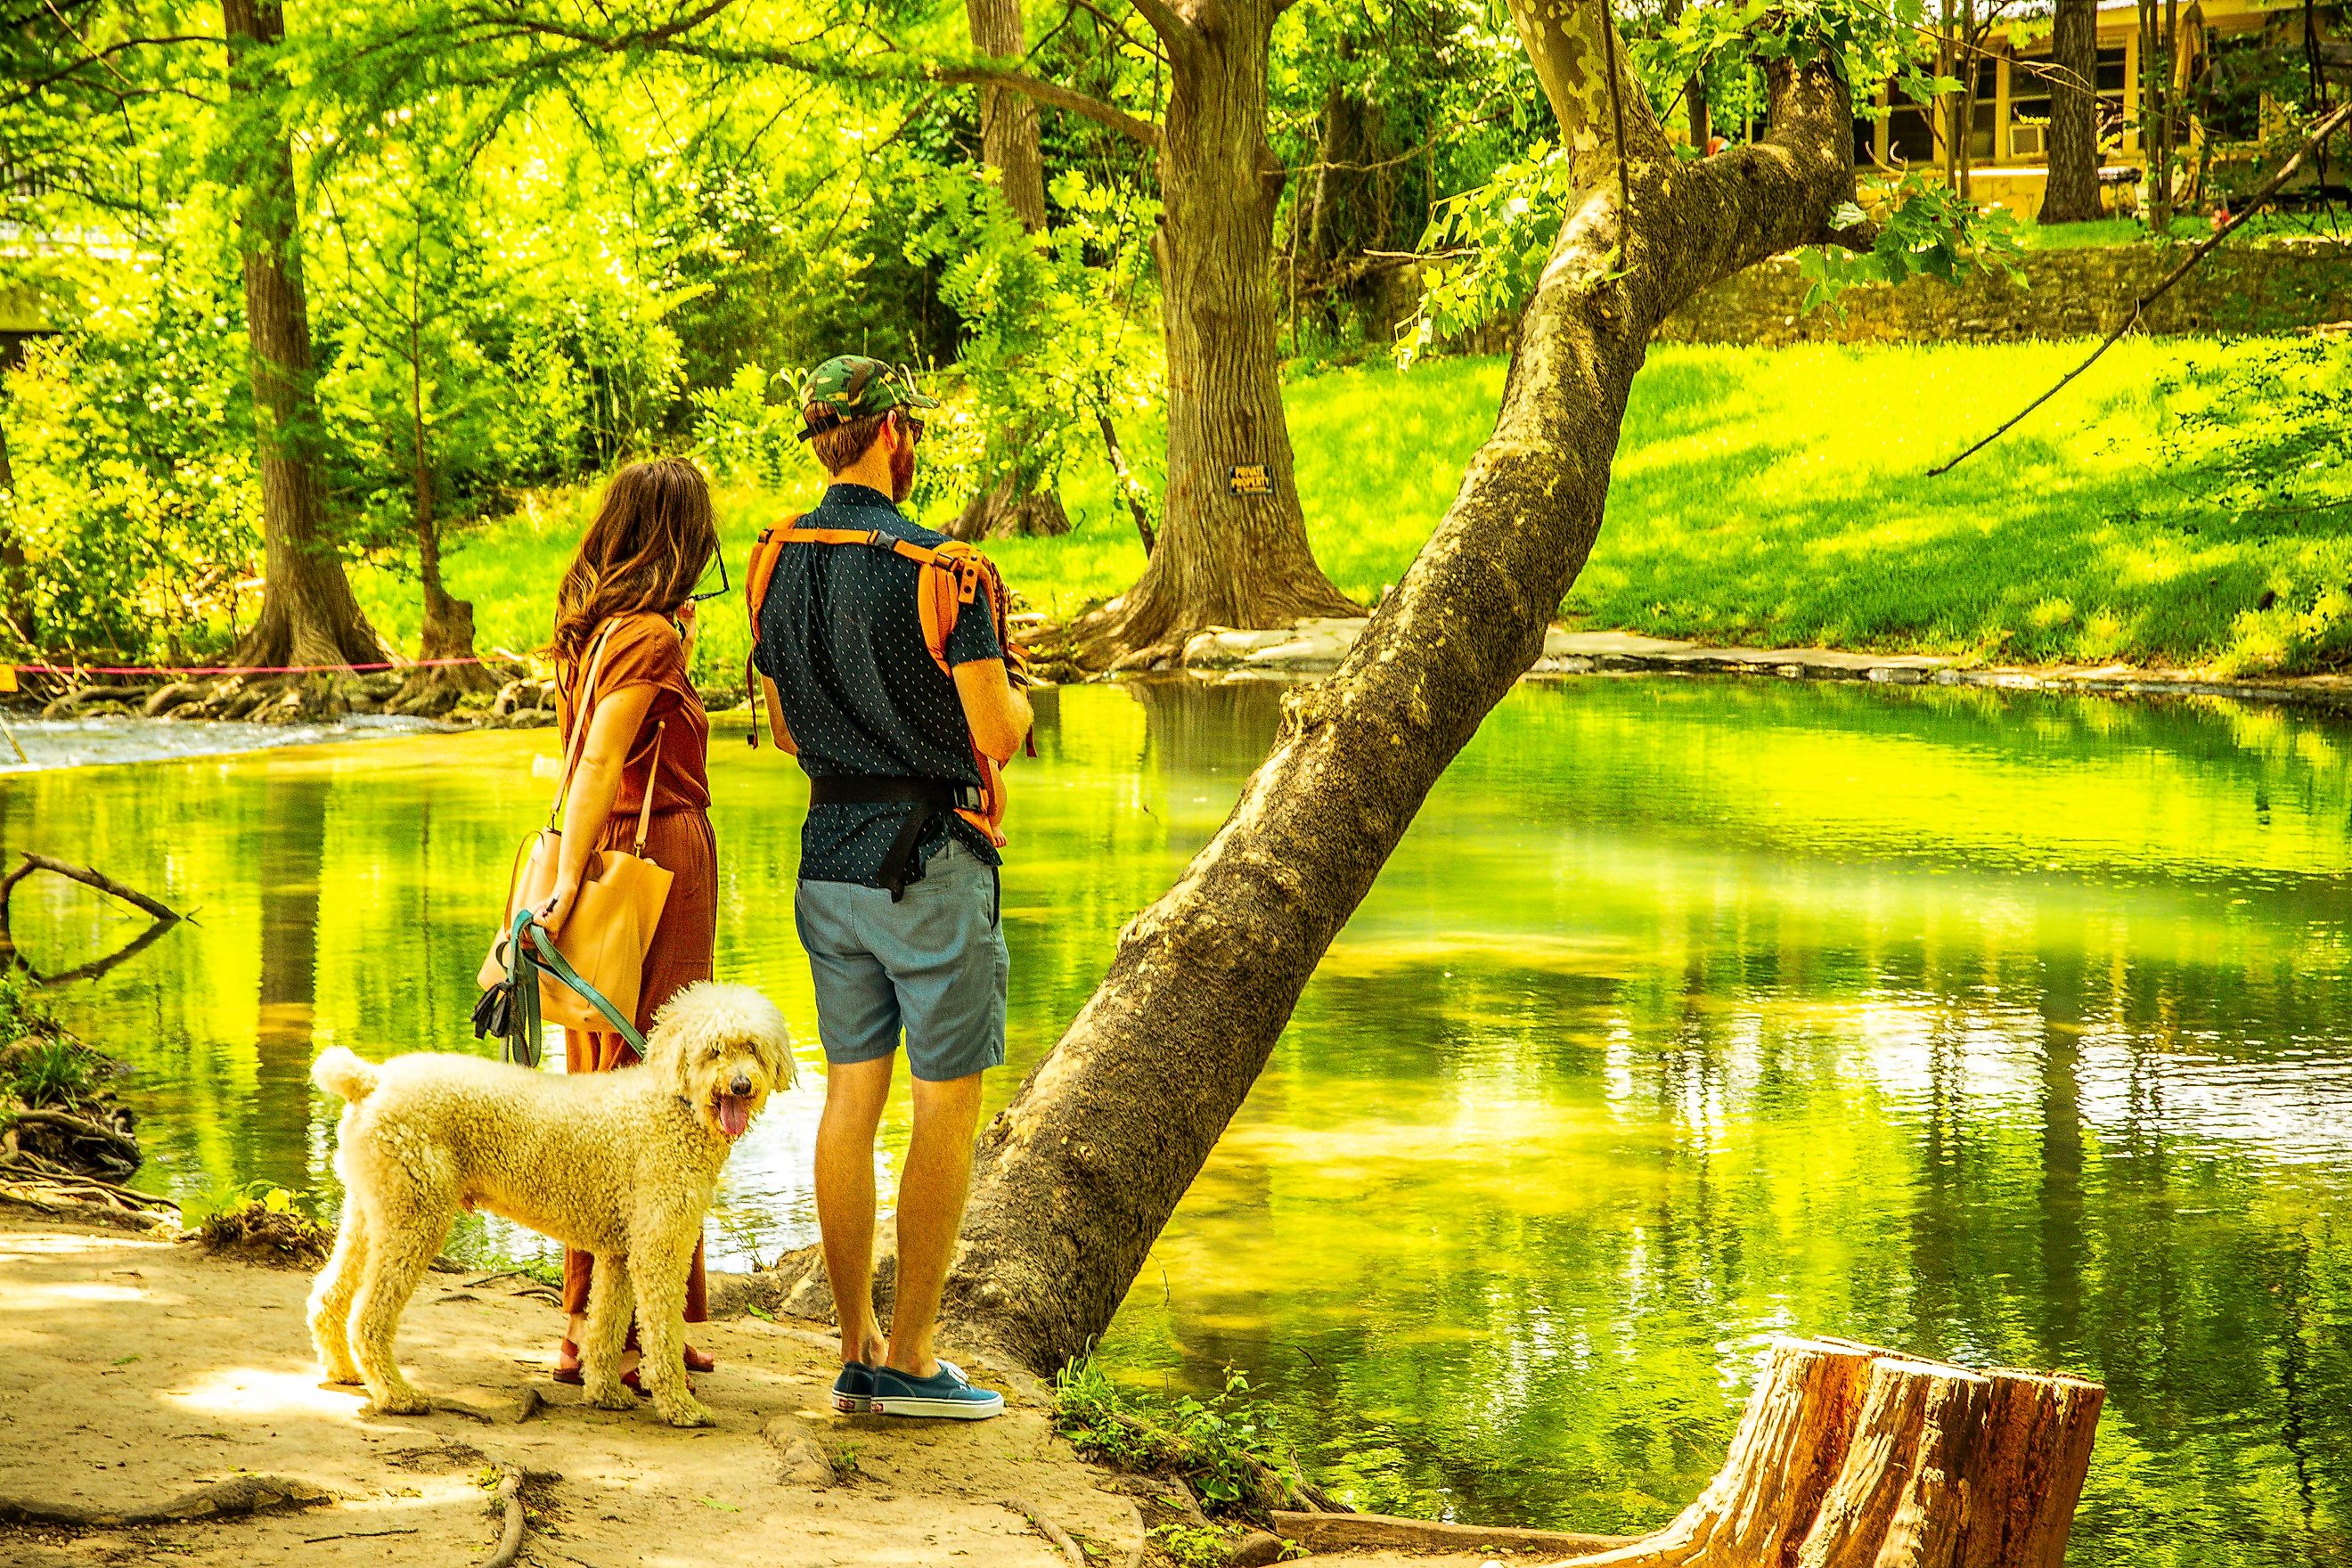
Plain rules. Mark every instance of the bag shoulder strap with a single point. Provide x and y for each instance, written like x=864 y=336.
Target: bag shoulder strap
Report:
x=646 y=807
x=757 y=574
x=580 y=706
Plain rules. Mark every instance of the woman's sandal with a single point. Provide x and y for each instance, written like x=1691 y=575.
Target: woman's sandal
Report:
x=571 y=1377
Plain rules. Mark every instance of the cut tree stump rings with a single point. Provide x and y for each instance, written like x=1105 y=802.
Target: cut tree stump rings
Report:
x=1848 y=1456
x=1853 y=1456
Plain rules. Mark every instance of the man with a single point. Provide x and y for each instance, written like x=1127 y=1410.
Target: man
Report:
x=897 y=902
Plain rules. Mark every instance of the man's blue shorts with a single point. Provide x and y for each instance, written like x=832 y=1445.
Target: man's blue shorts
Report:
x=933 y=964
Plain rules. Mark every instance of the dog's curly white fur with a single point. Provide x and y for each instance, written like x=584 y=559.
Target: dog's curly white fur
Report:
x=622 y=1164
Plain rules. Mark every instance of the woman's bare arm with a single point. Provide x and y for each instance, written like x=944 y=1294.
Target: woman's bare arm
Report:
x=595 y=785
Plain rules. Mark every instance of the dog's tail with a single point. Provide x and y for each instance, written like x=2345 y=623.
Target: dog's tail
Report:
x=338 y=1072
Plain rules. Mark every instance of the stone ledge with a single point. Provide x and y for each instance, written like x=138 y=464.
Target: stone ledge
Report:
x=1317 y=647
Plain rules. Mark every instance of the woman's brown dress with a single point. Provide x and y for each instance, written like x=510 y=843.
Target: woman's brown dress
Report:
x=647 y=650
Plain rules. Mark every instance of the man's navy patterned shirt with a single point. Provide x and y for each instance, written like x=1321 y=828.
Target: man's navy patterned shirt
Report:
x=841 y=634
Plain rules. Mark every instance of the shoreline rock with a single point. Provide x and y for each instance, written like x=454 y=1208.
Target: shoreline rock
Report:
x=1316 y=647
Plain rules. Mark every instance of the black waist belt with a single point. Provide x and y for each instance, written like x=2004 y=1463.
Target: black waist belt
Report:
x=930 y=797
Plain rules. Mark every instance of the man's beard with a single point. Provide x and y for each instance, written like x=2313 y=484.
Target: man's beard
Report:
x=902 y=473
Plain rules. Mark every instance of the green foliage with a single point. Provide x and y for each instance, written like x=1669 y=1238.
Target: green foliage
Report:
x=130 y=435
x=1222 y=1444
x=1927 y=231
x=1193 y=1546
x=1058 y=327
x=1491 y=243
x=748 y=429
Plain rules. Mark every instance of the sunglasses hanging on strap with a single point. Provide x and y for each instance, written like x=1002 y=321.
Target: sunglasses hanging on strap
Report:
x=510 y=1009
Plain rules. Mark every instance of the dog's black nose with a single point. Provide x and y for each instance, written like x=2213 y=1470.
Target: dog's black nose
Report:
x=741 y=1086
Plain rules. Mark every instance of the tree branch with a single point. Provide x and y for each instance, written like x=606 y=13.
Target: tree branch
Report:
x=1173 y=29
x=1052 y=94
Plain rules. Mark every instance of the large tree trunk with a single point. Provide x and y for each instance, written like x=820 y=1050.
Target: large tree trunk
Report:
x=1075 y=1179
x=1227 y=555
x=307 y=613
x=1008 y=145
x=1008 y=120
x=2071 y=195
x=445 y=669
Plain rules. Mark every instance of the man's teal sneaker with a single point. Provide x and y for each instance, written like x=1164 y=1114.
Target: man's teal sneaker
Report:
x=853 y=1391
x=945 y=1395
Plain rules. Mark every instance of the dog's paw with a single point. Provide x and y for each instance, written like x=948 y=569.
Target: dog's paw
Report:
x=686 y=1411
x=402 y=1400
x=344 y=1376
x=612 y=1394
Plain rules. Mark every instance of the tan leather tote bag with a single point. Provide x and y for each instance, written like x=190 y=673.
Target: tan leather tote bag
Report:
x=621 y=895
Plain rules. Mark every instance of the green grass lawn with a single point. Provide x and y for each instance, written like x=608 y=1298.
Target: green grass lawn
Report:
x=1775 y=496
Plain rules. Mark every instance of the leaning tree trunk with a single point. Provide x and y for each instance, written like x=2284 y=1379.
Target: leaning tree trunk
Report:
x=1075 y=1179
x=1231 y=552
x=2072 y=194
x=308 y=615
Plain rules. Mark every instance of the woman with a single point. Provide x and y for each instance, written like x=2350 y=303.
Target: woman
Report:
x=635 y=574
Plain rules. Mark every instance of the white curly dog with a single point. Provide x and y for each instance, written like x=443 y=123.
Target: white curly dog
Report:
x=623 y=1164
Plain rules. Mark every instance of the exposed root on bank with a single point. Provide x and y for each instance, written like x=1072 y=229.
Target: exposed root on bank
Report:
x=1049 y=1530
x=510 y=1533
x=237 y=1497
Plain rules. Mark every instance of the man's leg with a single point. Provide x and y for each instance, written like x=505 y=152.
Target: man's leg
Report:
x=930 y=1210
x=854 y=1094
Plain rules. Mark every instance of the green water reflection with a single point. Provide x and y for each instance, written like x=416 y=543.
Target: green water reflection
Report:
x=2007 y=1028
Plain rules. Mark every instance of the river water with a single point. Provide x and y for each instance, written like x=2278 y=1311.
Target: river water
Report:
x=2012 y=1028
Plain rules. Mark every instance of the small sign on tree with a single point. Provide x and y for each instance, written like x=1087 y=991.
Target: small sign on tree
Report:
x=1248 y=479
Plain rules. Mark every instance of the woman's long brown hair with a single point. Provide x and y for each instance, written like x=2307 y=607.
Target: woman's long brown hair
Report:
x=653 y=539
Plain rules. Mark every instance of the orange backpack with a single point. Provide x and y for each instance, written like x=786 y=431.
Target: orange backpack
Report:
x=953 y=575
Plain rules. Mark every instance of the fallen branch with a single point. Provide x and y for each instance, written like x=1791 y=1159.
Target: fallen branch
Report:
x=1048 y=1529
x=88 y=876
x=235 y=1497
x=163 y=916
x=2320 y=134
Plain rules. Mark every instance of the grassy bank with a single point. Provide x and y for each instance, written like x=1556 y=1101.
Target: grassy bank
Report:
x=1760 y=496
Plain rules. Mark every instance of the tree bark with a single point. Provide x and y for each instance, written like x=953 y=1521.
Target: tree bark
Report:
x=445 y=671
x=1008 y=120
x=1073 y=1179
x=2072 y=194
x=1849 y=1457
x=308 y=615
x=1002 y=512
x=1227 y=555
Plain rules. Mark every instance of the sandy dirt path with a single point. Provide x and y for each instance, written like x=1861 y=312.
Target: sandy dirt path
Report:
x=134 y=1370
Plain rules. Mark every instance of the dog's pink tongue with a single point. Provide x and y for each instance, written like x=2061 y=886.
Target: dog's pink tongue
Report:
x=734 y=1113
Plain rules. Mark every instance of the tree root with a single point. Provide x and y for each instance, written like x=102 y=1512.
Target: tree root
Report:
x=516 y=1518
x=237 y=1497
x=1048 y=1529
x=511 y=1535
x=1359 y=1531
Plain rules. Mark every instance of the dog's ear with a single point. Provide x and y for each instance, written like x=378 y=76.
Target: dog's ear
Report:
x=665 y=1050
x=775 y=1052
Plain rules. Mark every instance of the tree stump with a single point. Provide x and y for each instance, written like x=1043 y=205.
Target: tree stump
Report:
x=1852 y=1457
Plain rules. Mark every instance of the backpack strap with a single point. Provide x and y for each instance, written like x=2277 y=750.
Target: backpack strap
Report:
x=756 y=575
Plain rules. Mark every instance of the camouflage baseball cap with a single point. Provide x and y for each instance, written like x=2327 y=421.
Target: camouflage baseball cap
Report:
x=852 y=385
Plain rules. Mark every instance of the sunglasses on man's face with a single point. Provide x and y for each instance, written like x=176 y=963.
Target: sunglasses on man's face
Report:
x=914 y=426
